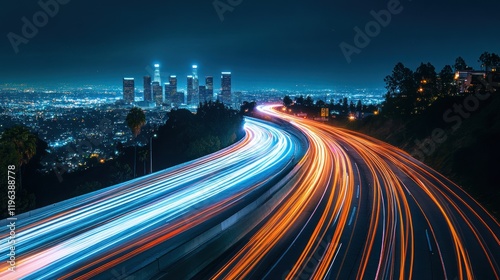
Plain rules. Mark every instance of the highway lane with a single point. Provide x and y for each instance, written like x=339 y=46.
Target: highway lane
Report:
x=461 y=237
x=86 y=237
x=300 y=226
x=367 y=210
x=357 y=208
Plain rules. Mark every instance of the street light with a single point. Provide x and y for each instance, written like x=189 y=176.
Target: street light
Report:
x=151 y=153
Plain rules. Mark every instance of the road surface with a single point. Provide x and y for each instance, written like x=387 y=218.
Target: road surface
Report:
x=366 y=210
x=90 y=235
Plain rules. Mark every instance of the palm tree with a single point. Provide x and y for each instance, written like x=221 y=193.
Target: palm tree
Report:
x=24 y=143
x=136 y=119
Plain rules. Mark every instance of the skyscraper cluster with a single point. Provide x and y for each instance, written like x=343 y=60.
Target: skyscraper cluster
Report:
x=170 y=94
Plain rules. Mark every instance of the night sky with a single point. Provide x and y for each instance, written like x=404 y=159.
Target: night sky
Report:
x=264 y=43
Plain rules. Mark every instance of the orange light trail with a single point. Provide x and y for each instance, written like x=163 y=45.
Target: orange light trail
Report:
x=407 y=201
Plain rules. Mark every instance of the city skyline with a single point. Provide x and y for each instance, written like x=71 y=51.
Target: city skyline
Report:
x=268 y=44
x=173 y=95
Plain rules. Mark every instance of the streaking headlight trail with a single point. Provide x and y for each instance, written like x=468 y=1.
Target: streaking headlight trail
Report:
x=367 y=210
x=87 y=235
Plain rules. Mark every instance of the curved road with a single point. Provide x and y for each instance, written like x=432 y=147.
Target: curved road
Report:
x=353 y=208
x=366 y=210
x=87 y=236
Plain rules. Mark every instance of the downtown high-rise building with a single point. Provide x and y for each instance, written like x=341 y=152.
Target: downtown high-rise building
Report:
x=190 y=90
x=128 y=90
x=196 y=84
x=157 y=77
x=168 y=100
x=147 y=89
x=226 y=88
x=202 y=90
x=209 y=84
x=158 y=93
x=173 y=82
x=171 y=92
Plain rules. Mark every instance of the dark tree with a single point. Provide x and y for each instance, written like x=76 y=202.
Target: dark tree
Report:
x=299 y=100
x=359 y=106
x=426 y=76
x=309 y=101
x=489 y=61
x=186 y=136
x=495 y=60
x=247 y=107
x=345 y=105
x=24 y=144
x=120 y=172
x=446 y=78
x=19 y=147
x=352 y=108
x=460 y=64
x=287 y=101
x=136 y=119
x=401 y=91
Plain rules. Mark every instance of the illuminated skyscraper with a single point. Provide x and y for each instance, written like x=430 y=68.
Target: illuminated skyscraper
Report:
x=171 y=93
x=190 y=90
x=173 y=82
x=203 y=94
x=157 y=77
x=128 y=90
x=147 y=88
x=209 y=83
x=196 y=83
x=226 y=88
x=158 y=93
x=182 y=97
x=168 y=99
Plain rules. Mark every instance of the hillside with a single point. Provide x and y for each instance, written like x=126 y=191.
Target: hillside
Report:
x=461 y=144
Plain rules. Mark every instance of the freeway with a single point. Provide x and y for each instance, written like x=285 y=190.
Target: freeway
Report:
x=344 y=206
x=365 y=210
x=137 y=220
